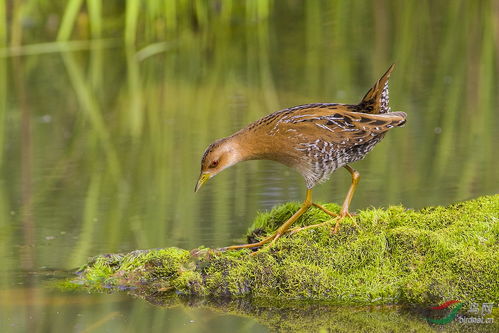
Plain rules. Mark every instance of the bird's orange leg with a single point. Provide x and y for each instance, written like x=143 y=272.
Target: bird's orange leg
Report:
x=281 y=230
x=346 y=203
x=344 y=208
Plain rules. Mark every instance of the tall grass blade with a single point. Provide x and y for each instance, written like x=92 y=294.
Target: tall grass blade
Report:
x=131 y=23
x=95 y=16
x=69 y=19
x=3 y=23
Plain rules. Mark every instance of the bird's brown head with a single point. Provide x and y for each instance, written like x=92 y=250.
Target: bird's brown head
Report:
x=220 y=155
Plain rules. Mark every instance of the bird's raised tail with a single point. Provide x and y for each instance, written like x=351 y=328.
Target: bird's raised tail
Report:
x=376 y=100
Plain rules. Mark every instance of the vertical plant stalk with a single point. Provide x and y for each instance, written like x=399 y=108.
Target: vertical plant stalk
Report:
x=81 y=250
x=28 y=225
x=134 y=91
x=96 y=53
x=16 y=31
x=132 y=16
x=95 y=14
x=3 y=107
x=3 y=23
x=313 y=54
x=9 y=239
x=171 y=15
x=201 y=12
x=68 y=20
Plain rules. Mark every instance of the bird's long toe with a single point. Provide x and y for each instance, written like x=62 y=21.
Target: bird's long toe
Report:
x=340 y=218
x=325 y=210
x=250 y=245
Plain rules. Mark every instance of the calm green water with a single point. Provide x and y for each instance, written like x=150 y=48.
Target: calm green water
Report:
x=100 y=142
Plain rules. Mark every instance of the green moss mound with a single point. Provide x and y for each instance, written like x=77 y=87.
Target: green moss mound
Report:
x=395 y=256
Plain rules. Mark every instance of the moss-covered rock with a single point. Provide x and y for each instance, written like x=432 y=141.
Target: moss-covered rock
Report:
x=395 y=256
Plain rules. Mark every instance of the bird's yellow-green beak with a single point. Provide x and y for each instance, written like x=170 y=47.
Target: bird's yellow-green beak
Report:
x=203 y=178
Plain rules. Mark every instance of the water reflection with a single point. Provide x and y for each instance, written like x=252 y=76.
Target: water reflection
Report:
x=27 y=309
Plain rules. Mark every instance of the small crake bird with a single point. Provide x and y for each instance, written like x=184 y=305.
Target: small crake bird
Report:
x=314 y=139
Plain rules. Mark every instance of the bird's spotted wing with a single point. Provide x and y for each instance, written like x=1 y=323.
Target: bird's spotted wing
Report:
x=341 y=127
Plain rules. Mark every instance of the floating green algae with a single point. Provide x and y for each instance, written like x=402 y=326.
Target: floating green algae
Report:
x=395 y=256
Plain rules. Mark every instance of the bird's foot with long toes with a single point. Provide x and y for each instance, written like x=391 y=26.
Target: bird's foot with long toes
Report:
x=270 y=239
x=273 y=238
x=338 y=219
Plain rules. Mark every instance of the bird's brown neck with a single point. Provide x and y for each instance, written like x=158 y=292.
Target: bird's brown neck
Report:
x=257 y=147
x=242 y=144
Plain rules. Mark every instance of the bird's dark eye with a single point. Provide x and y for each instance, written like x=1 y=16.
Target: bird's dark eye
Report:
x=214 y=164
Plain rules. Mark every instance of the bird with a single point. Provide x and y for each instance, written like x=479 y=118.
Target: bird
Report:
x=313 y=139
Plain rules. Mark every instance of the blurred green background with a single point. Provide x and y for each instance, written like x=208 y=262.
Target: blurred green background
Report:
x=107 y=106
